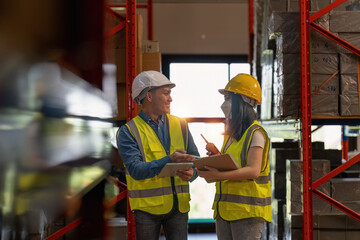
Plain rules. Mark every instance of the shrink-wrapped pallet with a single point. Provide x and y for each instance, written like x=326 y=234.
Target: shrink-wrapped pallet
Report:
x=349 y=105
x=349 y=63
x=349 y=84
x=294 y=169
x=345 y=21
x=325 y=105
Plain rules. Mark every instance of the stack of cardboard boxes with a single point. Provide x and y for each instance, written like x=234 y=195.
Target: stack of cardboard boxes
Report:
x=148 y=57
x=334 y=70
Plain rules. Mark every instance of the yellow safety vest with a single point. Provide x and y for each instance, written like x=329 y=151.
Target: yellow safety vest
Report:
x=155 y=195
x=236 y=200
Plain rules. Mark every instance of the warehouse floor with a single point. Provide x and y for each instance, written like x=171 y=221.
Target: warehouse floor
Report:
x=198 y=236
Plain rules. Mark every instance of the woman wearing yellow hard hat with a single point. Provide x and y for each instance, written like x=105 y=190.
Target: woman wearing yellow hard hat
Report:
x=243 y=196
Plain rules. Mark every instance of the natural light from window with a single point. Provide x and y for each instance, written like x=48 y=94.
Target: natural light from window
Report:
x=196 y=96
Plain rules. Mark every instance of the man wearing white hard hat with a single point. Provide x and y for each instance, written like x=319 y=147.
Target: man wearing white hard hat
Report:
x=146 y=143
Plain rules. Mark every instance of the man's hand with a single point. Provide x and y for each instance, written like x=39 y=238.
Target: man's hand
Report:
x=185 y=175
x=181 y=156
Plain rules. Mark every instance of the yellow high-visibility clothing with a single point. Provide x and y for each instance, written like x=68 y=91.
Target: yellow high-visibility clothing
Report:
x=236 y=200
x=155 y=195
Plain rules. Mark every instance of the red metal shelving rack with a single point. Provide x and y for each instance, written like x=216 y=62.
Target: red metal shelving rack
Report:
x=309 y=187
x=129 y=23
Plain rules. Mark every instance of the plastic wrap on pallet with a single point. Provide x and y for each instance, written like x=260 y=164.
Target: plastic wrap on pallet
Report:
x=280 y=22
x=287 y=84
x=324 y=20
x=286 y=105
x=276 y=230
x=283 y=22
x=321 y=44
x=349 y=5
x=351 y=37
x=349 y=105
x=287 y=63
x=348 y=63
x=324 y=63
x=294 y=185
x=324 y=105
x=287 y=42
x=266 y=84
x=349 y=84
x=345 y=21
x=330 y=88
x=345 y=189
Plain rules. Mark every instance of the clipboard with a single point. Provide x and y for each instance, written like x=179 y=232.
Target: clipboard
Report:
x=169 y=168
x=222 y=162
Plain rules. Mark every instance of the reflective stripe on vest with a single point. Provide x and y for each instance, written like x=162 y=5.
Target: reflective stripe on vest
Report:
x=155 y=195
x=154 y=192
x=236 y=200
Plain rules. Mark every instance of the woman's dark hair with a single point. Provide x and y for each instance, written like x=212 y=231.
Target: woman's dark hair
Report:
x=243 y=115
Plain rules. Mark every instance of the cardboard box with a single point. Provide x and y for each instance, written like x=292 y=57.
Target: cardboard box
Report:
x=120 y=61
x=349 y=105
x=332 y=87
x=349 y=84
x=348 y=63
x=294 y=187
x=151 y=61
x=283 y=22
x=150 y=46
x=286 y=105
x=351 y=37
x=287 y=84
x=288 y=63
x=324 y=63
x=325 y=105
x=345 y=21
x=345 y=189
x=321 y=44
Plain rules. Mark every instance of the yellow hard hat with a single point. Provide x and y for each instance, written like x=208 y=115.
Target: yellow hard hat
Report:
x=244 y=84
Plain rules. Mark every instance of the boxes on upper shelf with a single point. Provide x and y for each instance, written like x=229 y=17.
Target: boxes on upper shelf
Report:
x=325 y=105
x=150 y=46
x=348 y=63
x=151 y=61
x=349 y=105
x=345 y=21
x=351 y=37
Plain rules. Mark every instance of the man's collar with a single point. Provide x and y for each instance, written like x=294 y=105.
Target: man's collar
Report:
x=148 y=119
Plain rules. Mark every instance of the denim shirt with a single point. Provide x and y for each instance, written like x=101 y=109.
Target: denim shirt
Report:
x=131 y=155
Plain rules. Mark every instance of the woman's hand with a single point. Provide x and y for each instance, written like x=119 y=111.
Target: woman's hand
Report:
x=185 y=175
x=211 y=148
x=209 y=173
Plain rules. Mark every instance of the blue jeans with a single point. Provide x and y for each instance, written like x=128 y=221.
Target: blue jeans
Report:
x=175 y=225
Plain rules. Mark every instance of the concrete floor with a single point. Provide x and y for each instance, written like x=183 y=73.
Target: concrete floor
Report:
x=198 y=236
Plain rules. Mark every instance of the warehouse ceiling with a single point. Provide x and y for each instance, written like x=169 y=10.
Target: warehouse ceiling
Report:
x=180 y=1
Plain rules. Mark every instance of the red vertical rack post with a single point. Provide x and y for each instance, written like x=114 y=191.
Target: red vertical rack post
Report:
x=251 y=33
x=345 y=144
x=307 y=220
x=130 y=75
x=150 y=19
x=130 y=56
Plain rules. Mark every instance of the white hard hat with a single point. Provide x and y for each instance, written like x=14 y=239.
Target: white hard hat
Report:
x=146 y=81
